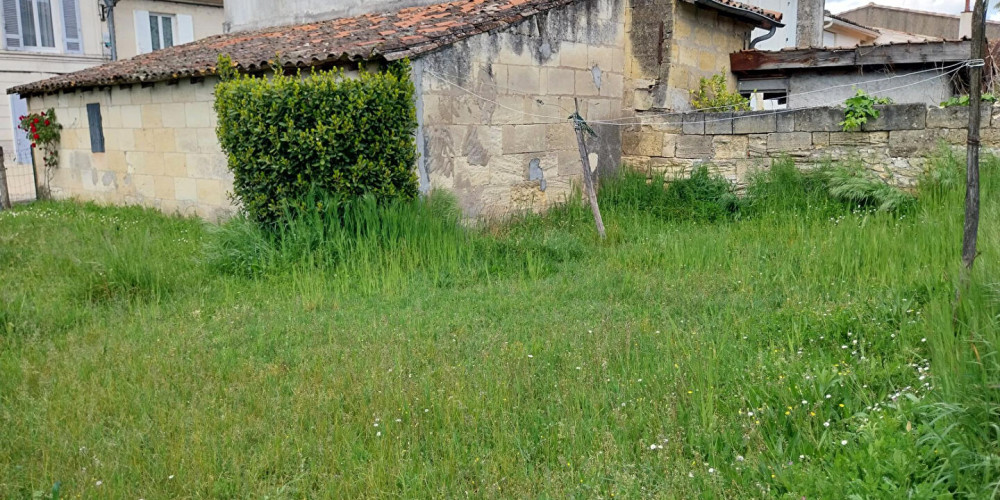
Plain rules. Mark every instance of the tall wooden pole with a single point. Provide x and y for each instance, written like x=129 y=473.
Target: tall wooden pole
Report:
x=588 y=179
x=971 y=231
x=4 y=194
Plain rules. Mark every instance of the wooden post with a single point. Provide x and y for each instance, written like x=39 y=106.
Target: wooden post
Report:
x=588 y=179
x=4 y=194
x=971 y=230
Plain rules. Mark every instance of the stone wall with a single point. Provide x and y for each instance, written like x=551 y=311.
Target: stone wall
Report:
x=671 y=46
x=160 y=148
x=895 y=146
x=511 y=146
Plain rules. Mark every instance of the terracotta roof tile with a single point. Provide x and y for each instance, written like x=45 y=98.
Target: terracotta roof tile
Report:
x=389 y=36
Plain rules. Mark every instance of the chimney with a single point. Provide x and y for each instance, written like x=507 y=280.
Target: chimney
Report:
x=965 y=22
x=809 y=28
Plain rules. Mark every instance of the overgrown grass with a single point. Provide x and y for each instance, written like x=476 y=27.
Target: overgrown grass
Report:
x=790 y=344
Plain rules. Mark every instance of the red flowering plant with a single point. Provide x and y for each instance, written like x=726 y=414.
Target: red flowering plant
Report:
x=43 y=131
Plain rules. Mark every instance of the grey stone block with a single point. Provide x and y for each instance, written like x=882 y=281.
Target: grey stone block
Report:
x=754 y=122
x=694 y=146
x=913 y=142
x=785 y=121
x=818 y=119
x=693 y=123
x=955 y=117
x=898 y=117
x=719 y=123
x=786 y=142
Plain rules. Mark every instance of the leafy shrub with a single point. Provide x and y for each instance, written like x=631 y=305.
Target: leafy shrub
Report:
x=963 y=100
x=289 y=135
x=860 y=108
x=713 y=95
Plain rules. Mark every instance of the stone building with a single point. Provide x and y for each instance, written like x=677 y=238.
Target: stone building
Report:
x=495 y=81
x=45 y=38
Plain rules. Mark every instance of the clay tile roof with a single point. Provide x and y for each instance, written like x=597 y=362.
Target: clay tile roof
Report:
x=386 y=36
x=763 y=18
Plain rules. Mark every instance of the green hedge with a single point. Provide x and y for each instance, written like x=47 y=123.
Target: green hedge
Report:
x=287 y=136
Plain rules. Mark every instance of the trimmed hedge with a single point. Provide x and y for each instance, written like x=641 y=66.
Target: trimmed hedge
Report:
x=290 y=135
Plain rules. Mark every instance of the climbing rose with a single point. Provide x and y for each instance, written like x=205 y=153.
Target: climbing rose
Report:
x=43 y=113
x=36 y=137
x=46 y=122
x=32 y=144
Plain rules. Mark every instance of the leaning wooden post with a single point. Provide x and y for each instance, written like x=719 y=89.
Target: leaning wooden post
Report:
x=588 y=180
x=971 y=230
x=4 y=194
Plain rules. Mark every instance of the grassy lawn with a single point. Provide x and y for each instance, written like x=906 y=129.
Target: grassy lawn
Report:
x=802 y=348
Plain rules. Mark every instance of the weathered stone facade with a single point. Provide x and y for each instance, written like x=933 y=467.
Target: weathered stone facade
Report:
x=511 y=145
x=671 y=46
x=895 y=146
x=160 y=148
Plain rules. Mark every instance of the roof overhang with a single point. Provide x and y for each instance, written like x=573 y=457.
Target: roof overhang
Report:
x=755 y=62
x=756 y=16
x=840 y=26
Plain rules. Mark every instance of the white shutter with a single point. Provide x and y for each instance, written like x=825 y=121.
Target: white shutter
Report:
x=143 y=38
x=11 y=25
x=22 y=147
x=71 y=26
x=185 y=29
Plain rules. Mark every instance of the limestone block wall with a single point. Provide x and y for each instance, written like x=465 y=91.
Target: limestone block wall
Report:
x=494 y=109
x=160 y=148
x=671 y=45
x=895 y=146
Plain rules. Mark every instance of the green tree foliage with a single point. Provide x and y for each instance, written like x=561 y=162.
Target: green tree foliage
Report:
x=713 y=95
x=290 y=135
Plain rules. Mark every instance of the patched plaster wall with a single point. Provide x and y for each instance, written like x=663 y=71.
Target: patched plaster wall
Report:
x=494 y=108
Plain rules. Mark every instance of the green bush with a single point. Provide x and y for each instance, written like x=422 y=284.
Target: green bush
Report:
x=713 y=95
x=287 y=136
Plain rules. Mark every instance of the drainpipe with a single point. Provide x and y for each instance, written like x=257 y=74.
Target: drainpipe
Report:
x=765 y=36
x=110 y=6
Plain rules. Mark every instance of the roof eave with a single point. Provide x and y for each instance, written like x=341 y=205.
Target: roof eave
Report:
x=755 y=18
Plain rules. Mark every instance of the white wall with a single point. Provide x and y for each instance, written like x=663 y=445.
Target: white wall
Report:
x=783 y=37
x=248 y=14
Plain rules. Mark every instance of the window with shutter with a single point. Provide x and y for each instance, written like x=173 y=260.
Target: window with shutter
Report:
x=71 y=26
x=27 y=24
x=11 y=25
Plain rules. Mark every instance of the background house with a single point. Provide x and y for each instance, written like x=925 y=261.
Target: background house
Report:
x=45 y=38
x=934 y=24
x=143 y=26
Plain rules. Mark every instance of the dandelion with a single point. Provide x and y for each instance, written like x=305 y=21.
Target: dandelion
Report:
x=739 y=458
x=923 y=339
x=827 y=396
x=652 y=447
x=711 y=470
x=826 y=424
x=749 y=413
x=843 y=442
x=378 y=434
x=99 y=483
x=841 y=405
x=805 y=402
